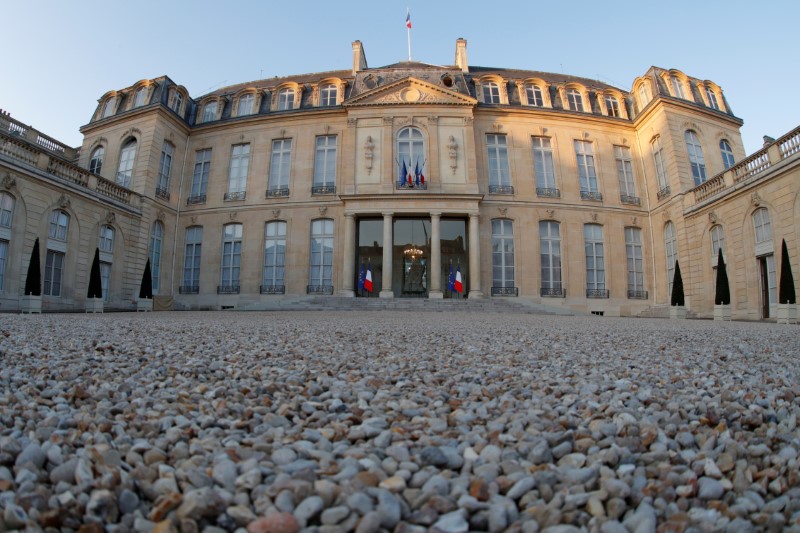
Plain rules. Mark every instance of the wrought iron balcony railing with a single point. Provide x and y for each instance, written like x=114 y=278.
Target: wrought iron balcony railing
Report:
x=663 y=193
x=501 y=189
x=630 y=200
x=162 y=193
x=597 y=293
x=553 y=292
x=227 y=289
x=189 y=289
x=319 y=289
x=591 y=195
x=505 y=291
x=196 y=199
x=273 y=289
x=323 y=189
x=548 y=193
x=234 y=196
x=411 y=186
x=278 y=192
x=637 y=295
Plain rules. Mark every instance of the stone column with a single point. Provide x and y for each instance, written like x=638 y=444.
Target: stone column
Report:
x=349 y=256
x=386 y=289
x=435 y=291
x=474 y=259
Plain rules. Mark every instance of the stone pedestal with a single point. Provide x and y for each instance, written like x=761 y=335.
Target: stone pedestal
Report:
x=30 y=304
x=94 y=305
x=144 y=305
x=787 y=313
x=722 y=312
x=677 y=312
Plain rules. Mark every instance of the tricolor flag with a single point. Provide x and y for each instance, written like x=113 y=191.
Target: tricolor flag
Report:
x=451 y=280
x=361 y=277
x=408 y=20
x=457 y=285
x=421 y=175
x=368 y=278
x=416 y=174
x=404 y=174
x=409 y=179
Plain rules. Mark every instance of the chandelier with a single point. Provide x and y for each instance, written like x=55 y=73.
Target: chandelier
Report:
x=413 y=252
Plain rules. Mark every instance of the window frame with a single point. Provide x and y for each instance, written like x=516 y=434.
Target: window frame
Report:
x=726 y=152
x=53 y=273
x=273 y=273
x=202 y=167
x=165 y=167
x=490 y=90
x=670 y=254
x=105 y=239
x=550 y=256
x=634 y=253
x=286 y=99
x=325 y=158
x=154 y=253
x=658 y=161
x=543 y=162
x=498 y=163
x=245 y=104
x=410 y=142
x=127 y=160
x=7 y=205
x=534 y=95
x=624 y=161
x=192 y=259
x=58 y=229
x=587 y=170
x=320 y=257
x=574 y=100
x=210 y=111
x=503 y=253
x=280 y=165
x=231 y=256
x=595 y=257
x=238 y=168
x=328 y=95
x=697 y=161
x=96 y=159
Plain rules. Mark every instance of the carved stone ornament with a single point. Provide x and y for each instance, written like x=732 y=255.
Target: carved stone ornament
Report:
x=63 y=201
x=388 y=121
x=452 y=152
x=130 y=132
x=665 y=215
x=468 y=121
x=161 y=215
x=8 y=182
x=276 y=213
x=369 y=153
x=327 y=129
x=624 y=141
x=551 y=213
x=497 y=127
x=543 y=130
x=594 y=217
x=352 y=122
x=433 y=120
x=756 y=199
x=322 y=211
x=233 y=215
x=283 y=132
x=193 y=219
x=634 y=221
x=713 y=218
x=111 y=217
x=502 y=211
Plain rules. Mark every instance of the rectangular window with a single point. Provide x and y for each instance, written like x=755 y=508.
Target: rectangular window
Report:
x=105 y=276
x=210 y=112
x=286 y=100
x=586 y=171
x=325 y=162
x=59 y=222
x=534 y=93
x=274 y=257
x=575 y=100
x=658 y=159
x=633 y=251
x=502 y=254
x=677 y=88
x=712 y=99
x=191 y=260
x=328 y=95
x=279 y=165
x=612 y=106
x=202 y=165
x=177 y=101
x=3 y=257
x=625 y=171
x=321 y=260
x=231 y=258
x=491 y=93
x=106 y=239
x=164 y=169
x=237 y=176
x=543 y=163
x=772 y=279
x=53 y=272
x=595 y=259
x=550 y=256
x=499 y=171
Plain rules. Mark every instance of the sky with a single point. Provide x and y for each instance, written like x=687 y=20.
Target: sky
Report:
x=68 y=54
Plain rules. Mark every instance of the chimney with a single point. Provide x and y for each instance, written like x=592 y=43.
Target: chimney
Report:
x=461 y=54
x=359 y=59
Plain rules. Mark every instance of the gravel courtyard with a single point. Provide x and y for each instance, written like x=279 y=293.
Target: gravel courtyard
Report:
x=391 y=421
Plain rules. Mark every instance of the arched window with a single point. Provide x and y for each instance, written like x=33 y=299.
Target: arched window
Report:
x=126 y=158
x=502 y=255
x=286 y=100
x=574 y=100
x=612 y=106
x=712 y=98
x=727 y=154
x=762 y=225
x=192 y=260
x=176 y=102
x=108 y=107
x=59 y=224
x=245 y=106
x=677 y=87
x=328 y=95
x=534 y=94
x=644 y=95
x=696 y=159
x=105 y=240
x=231 y=259
x=717 y=242
x=156 y=240
x=550 y=256
x=320 y=275
x=138 y=99
x=96 y=160
x=272 y=281
x=491 y=92
x=56 y=252
x=671 y=253
x=410 y=153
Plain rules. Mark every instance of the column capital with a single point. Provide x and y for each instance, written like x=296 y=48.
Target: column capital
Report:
x=387 y=214
x=437 y=215
x=474 y=215
x=349 y=215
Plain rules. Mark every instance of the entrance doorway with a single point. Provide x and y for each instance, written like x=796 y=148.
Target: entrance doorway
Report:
x=768 y=283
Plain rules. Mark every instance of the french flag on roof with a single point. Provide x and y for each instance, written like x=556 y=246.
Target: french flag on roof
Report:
x=408 y=20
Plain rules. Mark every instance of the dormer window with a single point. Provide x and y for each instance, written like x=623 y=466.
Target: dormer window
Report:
x=210 y=111
x=328 y=95
x=575 y=100
x=712 y=98
x=491 y=92
x=245 y=105
x=286 y=100
x=534 y=94
x=139 y=97
x=108 y=107
x=677 y=88
x=612 y=106
x=177 y=102
x=644 y=96
x=96 y=161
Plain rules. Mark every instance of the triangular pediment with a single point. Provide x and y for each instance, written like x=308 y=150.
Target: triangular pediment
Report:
x=410 y=91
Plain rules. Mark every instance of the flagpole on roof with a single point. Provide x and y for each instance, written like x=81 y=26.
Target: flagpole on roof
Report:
x=408 y=29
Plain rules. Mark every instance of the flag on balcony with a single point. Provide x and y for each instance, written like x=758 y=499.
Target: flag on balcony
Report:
x=458 y=286
x=416 y=174
x=361 y=277
x=368 y=278
x=409 y=178
x=451 y=279
x=422 y=175
x=403 y=178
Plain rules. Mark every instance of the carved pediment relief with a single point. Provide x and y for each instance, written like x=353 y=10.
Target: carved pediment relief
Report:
x=411 y=91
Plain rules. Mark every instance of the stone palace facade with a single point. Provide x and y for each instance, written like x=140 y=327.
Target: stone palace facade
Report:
x=559 y=190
